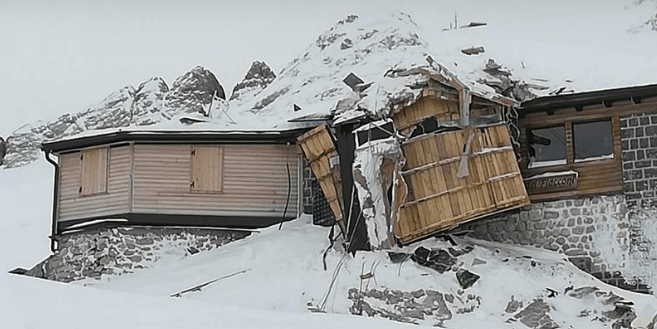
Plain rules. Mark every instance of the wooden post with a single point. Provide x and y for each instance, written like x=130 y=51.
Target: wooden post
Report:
x=356 y=229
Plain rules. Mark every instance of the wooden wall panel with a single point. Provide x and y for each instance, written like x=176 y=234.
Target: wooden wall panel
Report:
x=254 y=183
x=438 y=199
x=207 y=171
x=425 y=107
x=318 y=148
x=594 y=177
x=74 y=205
x=94 y=170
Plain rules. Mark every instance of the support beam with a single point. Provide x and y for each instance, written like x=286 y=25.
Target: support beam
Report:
x=356 y=229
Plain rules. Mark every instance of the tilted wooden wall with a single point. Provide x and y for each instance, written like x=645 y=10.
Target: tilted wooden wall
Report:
x=318 y=147
x=438 y=200
x=74 y=205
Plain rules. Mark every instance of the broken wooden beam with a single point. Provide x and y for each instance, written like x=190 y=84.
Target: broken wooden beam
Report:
x=473 y=50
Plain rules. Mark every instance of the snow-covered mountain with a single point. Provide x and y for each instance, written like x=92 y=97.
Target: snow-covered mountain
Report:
x=150 y=103
x=257 y=78
x=385 y=53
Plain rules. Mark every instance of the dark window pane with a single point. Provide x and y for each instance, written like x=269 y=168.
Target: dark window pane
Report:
x=547 y=144
x=592 y=139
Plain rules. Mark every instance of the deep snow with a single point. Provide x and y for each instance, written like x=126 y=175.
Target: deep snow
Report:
x=284 y=277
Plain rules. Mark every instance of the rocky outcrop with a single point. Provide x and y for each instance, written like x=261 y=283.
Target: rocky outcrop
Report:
x=257 y=78
x=194 y=91
x=652 y=22
x=148 y=106
x=150 y=103
x=114 y=111
x=2 y=150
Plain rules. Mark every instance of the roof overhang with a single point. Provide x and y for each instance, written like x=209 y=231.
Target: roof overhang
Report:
x=177 y=137
x=579 y=100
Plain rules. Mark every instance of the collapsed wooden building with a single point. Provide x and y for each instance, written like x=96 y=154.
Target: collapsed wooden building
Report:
x=432 y=163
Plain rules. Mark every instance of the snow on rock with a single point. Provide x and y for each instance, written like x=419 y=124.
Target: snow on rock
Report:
x=257 y=78
x=649 y=10
x=148 y=105
x=151 y=103
x=375 y=49
x=193 y=92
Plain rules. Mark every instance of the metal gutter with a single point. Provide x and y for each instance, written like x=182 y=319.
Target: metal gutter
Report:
x=182 y=136
x=55 y=203
x=588 y=98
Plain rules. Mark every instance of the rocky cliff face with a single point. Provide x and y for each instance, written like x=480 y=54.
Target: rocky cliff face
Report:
x=150 y=103
x=257 y=78
x=194 y=91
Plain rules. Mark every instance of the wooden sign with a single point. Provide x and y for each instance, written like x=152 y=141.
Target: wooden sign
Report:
x=551 y=182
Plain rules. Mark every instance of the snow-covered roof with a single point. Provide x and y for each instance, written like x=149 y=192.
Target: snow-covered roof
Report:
x=108 y=136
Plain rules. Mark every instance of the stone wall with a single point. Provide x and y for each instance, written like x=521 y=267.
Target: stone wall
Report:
x=122 y=250
x=308 y=179
x=594 y=233
x=639 y=145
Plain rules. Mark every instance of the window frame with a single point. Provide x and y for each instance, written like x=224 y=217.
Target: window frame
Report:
x=542 y=164
x=570 y=143
x=104 y=169
x=193 y=188
x=598 y=158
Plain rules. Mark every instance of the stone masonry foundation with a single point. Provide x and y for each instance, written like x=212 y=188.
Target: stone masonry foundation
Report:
x=592 y=232
x=122 y=250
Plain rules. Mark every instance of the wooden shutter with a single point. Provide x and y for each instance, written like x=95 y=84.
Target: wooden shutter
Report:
x=207 y=163
x=94 y=171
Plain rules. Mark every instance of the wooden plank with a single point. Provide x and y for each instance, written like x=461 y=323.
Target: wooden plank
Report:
x=440 y=200
x=207 y=168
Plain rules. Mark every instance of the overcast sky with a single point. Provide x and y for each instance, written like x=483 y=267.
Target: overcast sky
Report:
x=60 y=56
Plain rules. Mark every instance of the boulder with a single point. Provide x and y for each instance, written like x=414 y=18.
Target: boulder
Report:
x=439 y=260
x=194 y=91
x=466 y=278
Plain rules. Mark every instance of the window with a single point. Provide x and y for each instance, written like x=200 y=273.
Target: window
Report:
x=207 y=163
x=547 y=146
x=593 y=141
x=94 y=171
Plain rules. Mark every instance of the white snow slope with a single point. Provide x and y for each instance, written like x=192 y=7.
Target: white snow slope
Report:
x=25 y=302
x=284 y=276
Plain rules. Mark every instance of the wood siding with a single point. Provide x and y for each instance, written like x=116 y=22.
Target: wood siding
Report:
x=438 y=200
x=254 y=182
x=73 y=204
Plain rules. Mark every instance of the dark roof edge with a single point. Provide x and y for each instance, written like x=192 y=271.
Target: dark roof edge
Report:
x=588 y=98
x=198 y=137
